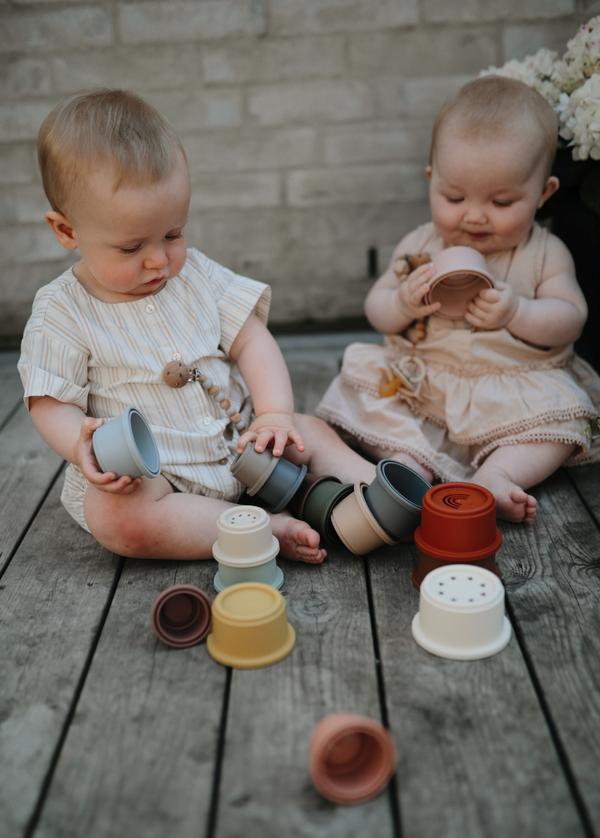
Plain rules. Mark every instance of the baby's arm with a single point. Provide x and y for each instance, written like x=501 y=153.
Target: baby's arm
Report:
x=68 y=431
x=554 y=317
x=263 y=368
x=557 y=314
x=392 y=305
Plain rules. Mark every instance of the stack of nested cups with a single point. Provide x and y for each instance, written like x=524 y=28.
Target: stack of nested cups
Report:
x=246 y=549
x=458 y=525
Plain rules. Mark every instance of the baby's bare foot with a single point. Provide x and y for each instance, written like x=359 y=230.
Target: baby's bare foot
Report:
x=512 y=502
x=297 y=539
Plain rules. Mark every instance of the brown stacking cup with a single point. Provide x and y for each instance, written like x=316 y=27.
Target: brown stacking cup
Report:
x=458 y=525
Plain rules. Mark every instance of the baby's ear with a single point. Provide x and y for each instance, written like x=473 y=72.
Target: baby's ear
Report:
x=550 y=188
x=428 y=172
x=62 y=229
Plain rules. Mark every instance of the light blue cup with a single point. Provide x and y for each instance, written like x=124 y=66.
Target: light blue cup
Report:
x=125 y=445
x=269 y=573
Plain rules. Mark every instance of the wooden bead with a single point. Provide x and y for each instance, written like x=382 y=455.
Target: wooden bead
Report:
x=235 y=417
x=176 y=374
x=212 y=391
x=225 y=404
x=241 y=427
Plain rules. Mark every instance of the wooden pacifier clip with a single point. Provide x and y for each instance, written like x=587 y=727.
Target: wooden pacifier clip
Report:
x=176 y=374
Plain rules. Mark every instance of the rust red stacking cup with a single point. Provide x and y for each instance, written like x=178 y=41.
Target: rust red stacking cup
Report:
x=458 y=524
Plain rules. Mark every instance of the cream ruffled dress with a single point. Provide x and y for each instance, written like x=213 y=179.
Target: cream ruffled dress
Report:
x=471 y=391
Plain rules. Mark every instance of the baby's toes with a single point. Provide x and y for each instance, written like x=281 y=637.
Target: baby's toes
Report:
x=311 y=556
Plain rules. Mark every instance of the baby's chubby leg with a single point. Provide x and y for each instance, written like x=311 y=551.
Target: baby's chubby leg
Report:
x=511 y=469
x=155 y=522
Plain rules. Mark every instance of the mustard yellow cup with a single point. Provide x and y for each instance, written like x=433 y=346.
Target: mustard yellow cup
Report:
x=249 y=627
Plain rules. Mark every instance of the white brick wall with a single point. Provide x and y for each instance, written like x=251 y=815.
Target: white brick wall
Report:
x=306 y=122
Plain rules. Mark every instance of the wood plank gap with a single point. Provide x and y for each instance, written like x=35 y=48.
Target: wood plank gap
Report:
x=10 y=415
x=551 y=725
x=211 y=824
x=582 y=498
x=27 y=527
x=47 y=781
x=392 y=791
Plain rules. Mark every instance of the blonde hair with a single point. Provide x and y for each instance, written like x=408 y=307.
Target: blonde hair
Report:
x=492 y=105
x=111 y=126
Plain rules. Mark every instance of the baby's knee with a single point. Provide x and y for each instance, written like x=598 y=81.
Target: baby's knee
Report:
x=124 y=534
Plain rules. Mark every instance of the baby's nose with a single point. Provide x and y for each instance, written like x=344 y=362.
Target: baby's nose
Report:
x=156 y=259
x=475 y=214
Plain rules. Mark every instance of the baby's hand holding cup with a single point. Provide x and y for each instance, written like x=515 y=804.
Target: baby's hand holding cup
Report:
x=413 y=290
x=493 y=308
x=85 y=459
x=278 y=427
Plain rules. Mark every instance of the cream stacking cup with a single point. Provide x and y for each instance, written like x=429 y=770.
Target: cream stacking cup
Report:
x=245 y=548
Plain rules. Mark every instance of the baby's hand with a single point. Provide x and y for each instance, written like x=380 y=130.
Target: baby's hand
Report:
x=278 y=427
x=492 y=308
x=413 y=289
x=105 y=481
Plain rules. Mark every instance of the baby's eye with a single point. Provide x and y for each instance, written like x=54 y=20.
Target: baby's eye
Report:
x=452 y=200
x=129 y=250
x=503 y=203
x=171 y=237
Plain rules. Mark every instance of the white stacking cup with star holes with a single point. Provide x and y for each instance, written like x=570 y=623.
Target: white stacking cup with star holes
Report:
x=461 y=613
x=246 y=549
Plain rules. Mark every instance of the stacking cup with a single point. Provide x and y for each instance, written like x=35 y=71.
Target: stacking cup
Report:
x=458 y=524
x=460 y=273
x=245 y=548
x=461 y=613
x=352 y=758
x=180 y=616
x=253 y=469
x=396 y=498
x=355 y=524
x=296 y=505
x=249 y=627
x=125 y=445
x=320 y=501
x=281 y=485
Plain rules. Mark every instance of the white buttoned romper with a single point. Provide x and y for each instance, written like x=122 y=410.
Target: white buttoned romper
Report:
x=105 y=357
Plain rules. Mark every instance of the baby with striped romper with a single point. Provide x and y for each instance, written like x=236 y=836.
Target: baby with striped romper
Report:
x=101 y=334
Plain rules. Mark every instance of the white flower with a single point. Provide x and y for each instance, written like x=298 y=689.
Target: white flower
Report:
x=582 y=56
x=580 y=120
x=535 y=71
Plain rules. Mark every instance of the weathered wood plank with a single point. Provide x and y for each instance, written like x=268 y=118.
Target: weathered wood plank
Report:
x=265 y=788
x=11 y=391
x=475 y=756
x=27 y=469
x=139 y=756
x=552 y=573
x=586 y=480
x=51 y=600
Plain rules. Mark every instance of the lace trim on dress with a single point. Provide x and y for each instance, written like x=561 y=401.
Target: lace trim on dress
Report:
x=579 y=457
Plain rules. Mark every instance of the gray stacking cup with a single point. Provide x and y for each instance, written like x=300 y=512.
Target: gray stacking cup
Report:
x=281 y=485
x=125 y=445
x=253 y=469
x=395 y=497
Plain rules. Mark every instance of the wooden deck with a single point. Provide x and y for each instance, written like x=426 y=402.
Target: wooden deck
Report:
x=106 y=732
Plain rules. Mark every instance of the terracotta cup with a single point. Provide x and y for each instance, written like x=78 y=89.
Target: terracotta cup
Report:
x=460 y=273
x=319 y=503
x=253 y=469
x=461 y=613
x=351 y=758
x=245 y=548
x=396 y=497
x=125 y=445
x=281 y=485
x=458 y=524
x=355 y=524
x=180 y=616
x=249 y=627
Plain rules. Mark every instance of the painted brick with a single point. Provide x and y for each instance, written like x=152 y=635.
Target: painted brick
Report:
x=357 y=184
x=526 y=39
x=476 y=11
x=85 y=26
x=374 y=142
x=143 y=69
x=423 y=52
x=289 y=17
x=250 y=149
x=25 y=244
x=160 y=22
x=22 y=204
x=278 y=60
x=21 y=120
x=17 y=163
x=326 y=101
x=242 y=189
x=196 y=110
x=24 y=76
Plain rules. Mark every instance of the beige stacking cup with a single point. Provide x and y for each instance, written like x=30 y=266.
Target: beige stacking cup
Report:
x=355 y=524
x=460 y=274
x=245 y=548
x=249 y=627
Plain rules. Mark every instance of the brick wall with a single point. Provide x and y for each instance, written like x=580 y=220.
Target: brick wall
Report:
x=306 y=122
